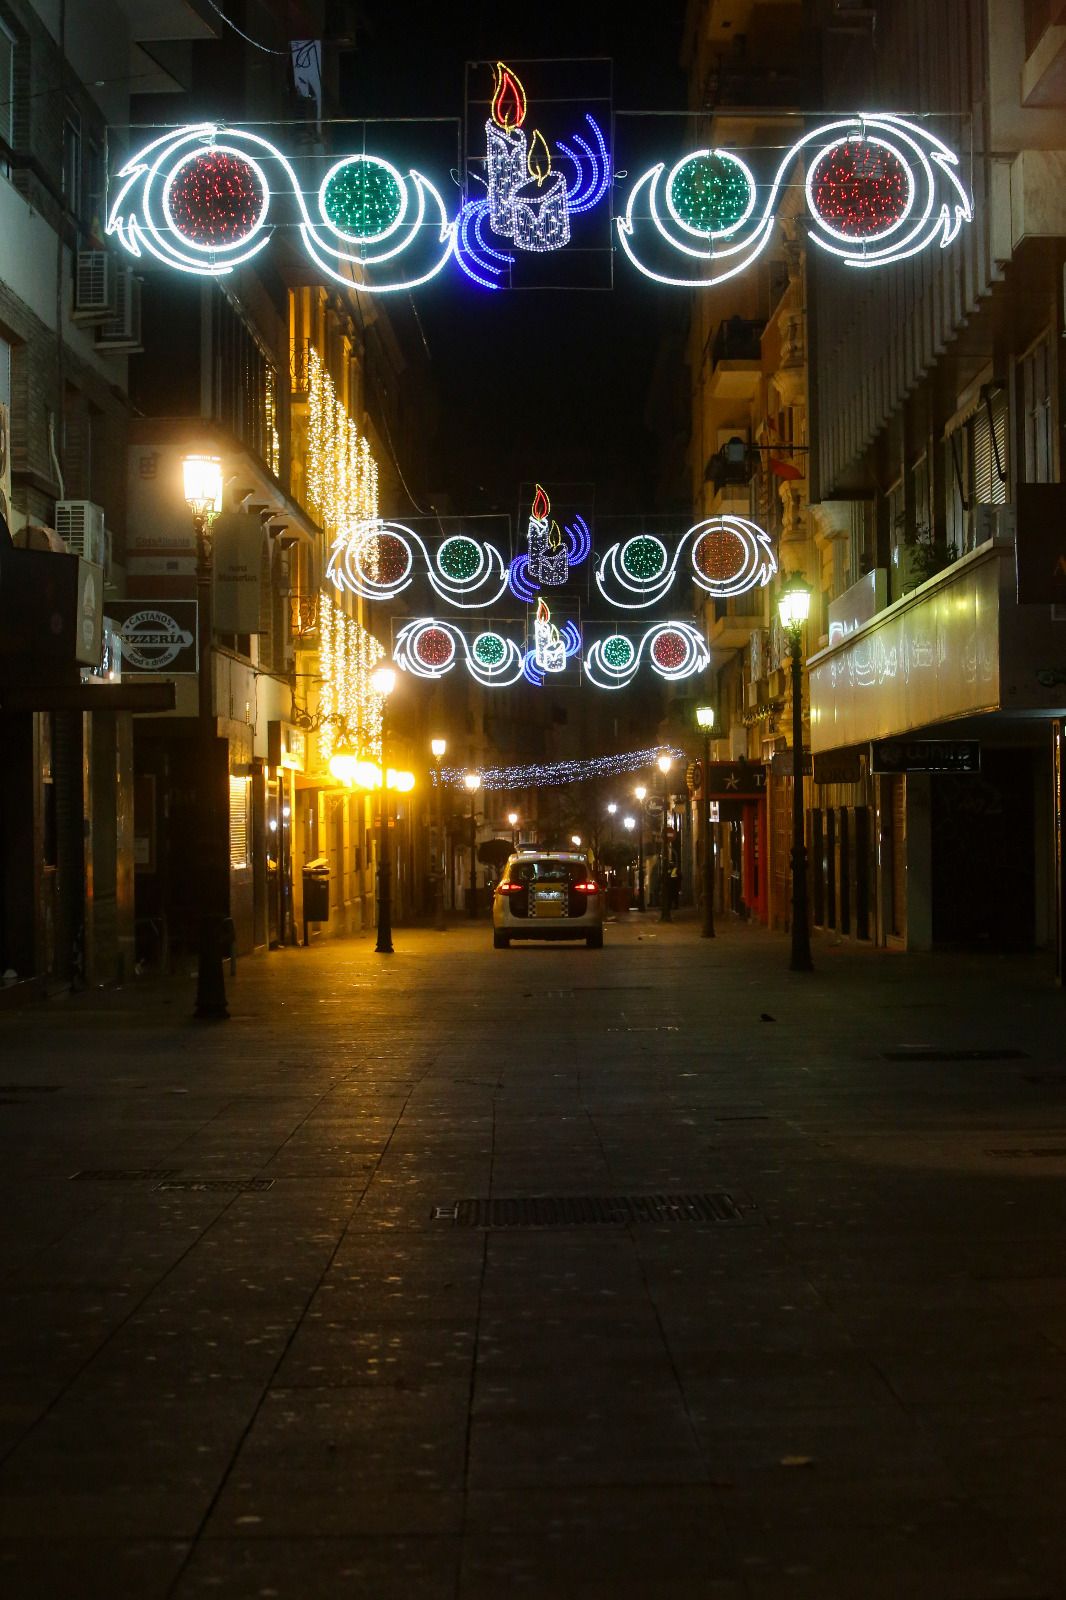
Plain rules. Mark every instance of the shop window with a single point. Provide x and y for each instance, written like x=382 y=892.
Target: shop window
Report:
x=240 y=822
x=1036 y=373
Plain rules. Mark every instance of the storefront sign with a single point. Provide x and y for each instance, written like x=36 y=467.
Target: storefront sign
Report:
x=783 y=765
x=837 y=766
x=237 y=539
x=1040 y=545
x=156 y=635
x=286 y=746
x=925 y=755
x=730 y=779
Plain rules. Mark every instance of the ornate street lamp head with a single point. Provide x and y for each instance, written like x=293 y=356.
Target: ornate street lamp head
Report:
x=705 y=717
x=438 y=746
x=794 y=602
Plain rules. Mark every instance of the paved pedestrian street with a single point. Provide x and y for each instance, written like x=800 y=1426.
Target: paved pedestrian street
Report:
x=280 y=1319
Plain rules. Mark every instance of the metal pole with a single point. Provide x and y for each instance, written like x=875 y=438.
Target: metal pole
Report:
x=210 y=982
x=707 y=931
x=384 y=944
x=438 y=887
x=471 y=909
x=640 y=852
x=1058 y=778
x=664 y=858
x=801 y=934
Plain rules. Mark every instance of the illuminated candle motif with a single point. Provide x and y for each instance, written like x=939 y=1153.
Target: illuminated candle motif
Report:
x=505 y=149
x=549 y=561
x=541 y=212
x=549 y=651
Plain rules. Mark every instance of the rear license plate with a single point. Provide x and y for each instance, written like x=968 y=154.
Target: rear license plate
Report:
x=550 y=903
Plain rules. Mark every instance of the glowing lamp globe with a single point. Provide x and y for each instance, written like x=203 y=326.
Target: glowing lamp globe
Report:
x=611 y=808
x=629 y=823
x=794 y=602
x=641 y=792
x=202 y=479
x=472 y=781
x=402 y=782
x=512 y=818
x=383 y=680
x=367 y=775
x=575 y=840
x=664 y=764
x=705 y=717
x=343 y=765
x=438 y=746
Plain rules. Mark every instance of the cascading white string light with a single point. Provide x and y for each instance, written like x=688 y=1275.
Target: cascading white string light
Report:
x=542 y=774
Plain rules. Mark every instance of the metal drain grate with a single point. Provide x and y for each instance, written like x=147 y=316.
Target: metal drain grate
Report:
x=123 y=1174
x=219 y=1185
x=554 y=1211
x=935 y=1053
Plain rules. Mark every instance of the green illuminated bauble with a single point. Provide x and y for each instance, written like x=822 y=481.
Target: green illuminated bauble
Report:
x=459 y=558
x=489 y=649
x=710 y=192
x=617 y=651
x=362 y=198
x=643 y=558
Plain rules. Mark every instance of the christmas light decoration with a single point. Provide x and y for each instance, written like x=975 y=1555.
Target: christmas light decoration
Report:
x=347 y=701
x=198 y=198
x=340 y=473
x=727 y=556
x=548 y=773
x=428 y=648
x=549 y=554
x=552 y=647
x=376 y=560
x=879 y=188
x=674 y=650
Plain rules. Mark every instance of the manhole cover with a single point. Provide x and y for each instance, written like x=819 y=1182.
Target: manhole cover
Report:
x=123 y=1174
x=935 y=1053
x=219 y=1185
x=554 y=1211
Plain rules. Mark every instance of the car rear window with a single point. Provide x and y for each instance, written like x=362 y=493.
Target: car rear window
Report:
x=528 y=872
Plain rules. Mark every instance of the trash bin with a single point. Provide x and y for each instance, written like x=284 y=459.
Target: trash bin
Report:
x=316 y=890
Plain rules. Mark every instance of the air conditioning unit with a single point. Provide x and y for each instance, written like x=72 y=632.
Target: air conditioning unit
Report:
x=95 y=286
x=80 y=525
x=122 y=332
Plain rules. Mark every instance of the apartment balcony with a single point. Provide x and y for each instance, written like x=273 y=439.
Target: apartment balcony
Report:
x=735 y=357
x=957 y=646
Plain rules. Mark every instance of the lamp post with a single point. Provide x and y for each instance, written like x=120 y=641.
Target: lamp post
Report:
x=472 y=780
x=664 y=764
x=512 y=818
x=705 y=720
x=438 y=747
x=793 y=604
x=629 y=823
x=383 y=682
x=641 y=793
x=202 y=478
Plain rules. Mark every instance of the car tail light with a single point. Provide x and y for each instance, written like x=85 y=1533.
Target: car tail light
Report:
x=586 y=888
x=509 y=888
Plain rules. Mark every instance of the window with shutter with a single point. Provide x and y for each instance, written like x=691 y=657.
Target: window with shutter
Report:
x=1036 y=380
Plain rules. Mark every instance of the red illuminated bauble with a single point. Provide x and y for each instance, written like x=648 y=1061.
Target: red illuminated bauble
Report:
x=392 y=558
x=860 y=188
x=669 y=650
x=719 y=555
x=434 y=647
x=216 y=198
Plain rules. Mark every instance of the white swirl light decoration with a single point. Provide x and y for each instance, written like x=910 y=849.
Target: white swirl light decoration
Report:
x=198 y=199
x=674 y=650
x=728 y=556
x=879 y=188
x=377 y=562
x=429 y=648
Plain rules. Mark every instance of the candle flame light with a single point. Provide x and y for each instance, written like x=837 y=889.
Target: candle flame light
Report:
x=509 y=100
x=541 y=505
x=538 y=160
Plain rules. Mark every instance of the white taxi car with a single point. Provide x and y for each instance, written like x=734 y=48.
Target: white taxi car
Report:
x=548 y=894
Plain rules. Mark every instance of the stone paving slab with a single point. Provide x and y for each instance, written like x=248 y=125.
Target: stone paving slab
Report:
x=254 y=1354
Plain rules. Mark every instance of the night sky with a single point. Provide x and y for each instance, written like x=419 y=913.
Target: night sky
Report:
x=549 y=384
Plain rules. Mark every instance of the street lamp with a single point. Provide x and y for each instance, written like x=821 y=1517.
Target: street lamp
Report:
x=629 y=823
x=383 y=682
x=472 y=780
x=705 y=720
x=641 y=794
x=664 y=764
x=438 y=747
x=202 y=481
x=512 y=817
x=793 y=604
x=575 y=840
